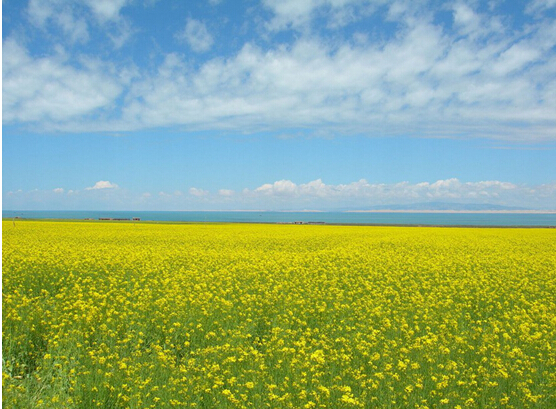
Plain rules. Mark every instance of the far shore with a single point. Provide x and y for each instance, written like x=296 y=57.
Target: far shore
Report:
x=456 y=211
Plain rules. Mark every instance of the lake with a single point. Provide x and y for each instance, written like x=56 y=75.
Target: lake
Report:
x=393 y=218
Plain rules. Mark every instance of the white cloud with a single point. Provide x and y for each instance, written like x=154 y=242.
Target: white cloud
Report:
x=123 y=32
x=298 y=14
x=540 y=5
x=198 y=192
x=422 y=83
x=226 y=192
x=479 y=80
x=60 y=13
x=58 y=190
x=76 y=28
x=196 y=35
x=49 y=89
x=106 y=10
x=73 y=17
x=102 y=184
x=290 y=12
x=288 y=195
x=465 y=18
x=280 y=188
x=362 y=193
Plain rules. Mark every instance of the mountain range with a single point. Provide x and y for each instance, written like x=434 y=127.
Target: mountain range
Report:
x=441 y=206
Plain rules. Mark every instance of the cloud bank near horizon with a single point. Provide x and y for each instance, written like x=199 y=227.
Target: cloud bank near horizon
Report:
x=437 y=70
x=287 y=195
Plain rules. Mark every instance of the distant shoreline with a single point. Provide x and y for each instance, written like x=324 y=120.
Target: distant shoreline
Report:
x=456 y=211
x=524 y=211
x=499 y=217
x=320 y=224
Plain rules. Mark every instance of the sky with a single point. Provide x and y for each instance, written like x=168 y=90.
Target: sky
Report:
x=277 y=104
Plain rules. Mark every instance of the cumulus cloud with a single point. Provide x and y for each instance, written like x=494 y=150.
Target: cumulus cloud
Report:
x=102 y=184
x=196 y=35
x=198 y=192
x=279 y=188
x=424 y=83
x=106 y=10
x=363 y=193
x=58 y=190
x=479 y=77
x=226 y=192
x=288 y=195
x=49 y=88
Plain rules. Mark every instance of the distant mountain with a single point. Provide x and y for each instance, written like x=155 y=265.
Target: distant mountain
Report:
x=444 y=206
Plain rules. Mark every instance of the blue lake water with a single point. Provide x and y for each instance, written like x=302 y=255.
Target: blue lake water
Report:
x=450 y=219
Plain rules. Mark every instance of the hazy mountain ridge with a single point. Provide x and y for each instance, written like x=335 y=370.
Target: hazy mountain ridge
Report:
x=442 y=206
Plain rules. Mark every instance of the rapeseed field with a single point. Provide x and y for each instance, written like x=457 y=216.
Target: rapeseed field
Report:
x=122 y=315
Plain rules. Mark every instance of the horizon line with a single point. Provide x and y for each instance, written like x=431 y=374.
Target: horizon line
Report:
x=486 y=211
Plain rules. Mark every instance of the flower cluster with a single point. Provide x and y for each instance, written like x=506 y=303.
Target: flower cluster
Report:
x=121 y=315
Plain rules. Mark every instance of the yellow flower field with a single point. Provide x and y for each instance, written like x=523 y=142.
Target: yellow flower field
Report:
x=122 y=315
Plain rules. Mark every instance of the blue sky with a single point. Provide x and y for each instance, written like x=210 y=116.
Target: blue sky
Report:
x=277 y=105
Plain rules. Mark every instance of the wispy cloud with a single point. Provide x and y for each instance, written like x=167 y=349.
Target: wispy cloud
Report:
x=298 y=14
x=522 y=148
x=43 y=13
x=73 y=17
x=196 y=35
